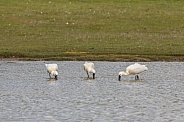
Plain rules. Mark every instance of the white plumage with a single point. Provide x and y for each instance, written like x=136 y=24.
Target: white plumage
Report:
x=133 y=69
x=52 y=69
x=89 y=68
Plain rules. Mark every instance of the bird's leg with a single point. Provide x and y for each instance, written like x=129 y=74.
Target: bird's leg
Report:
x=136 y=77
x=49 y=75
x=88 y=74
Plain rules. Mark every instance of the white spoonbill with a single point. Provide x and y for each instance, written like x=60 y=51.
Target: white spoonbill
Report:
x=89 y=68
x=52 y=69
x=133 y=69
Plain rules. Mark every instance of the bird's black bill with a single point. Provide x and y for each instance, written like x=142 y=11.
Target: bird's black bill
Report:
x=119 y=78
x=56 y=77
x=93 y=75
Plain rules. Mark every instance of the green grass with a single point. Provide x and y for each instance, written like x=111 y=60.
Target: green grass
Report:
x=113 y=30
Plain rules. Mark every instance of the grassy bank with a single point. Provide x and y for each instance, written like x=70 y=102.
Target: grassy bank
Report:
x=137 y=30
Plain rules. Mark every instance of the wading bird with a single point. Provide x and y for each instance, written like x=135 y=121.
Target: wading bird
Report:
x=52 y=69
x=89 y=68
x=133 y=69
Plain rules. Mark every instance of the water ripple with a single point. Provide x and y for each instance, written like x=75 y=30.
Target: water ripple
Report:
x=27 y=93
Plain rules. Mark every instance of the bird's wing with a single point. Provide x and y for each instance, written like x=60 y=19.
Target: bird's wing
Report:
x=142 y=67
x=51 y=67
x=88 y=66
x=129 y=68
x=135 y=68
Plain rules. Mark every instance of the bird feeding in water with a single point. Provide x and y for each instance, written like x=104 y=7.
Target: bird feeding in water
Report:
x=133 y=69
x=89 y=68
x=52 y=69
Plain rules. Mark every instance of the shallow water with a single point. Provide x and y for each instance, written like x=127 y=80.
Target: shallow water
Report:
x=27 y=93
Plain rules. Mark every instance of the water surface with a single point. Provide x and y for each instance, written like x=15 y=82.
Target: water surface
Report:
x=27 y=93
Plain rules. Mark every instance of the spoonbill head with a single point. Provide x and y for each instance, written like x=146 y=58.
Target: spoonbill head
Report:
x=55 y=73
x=89 y=68
x=52 y=69
x=133 y=69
